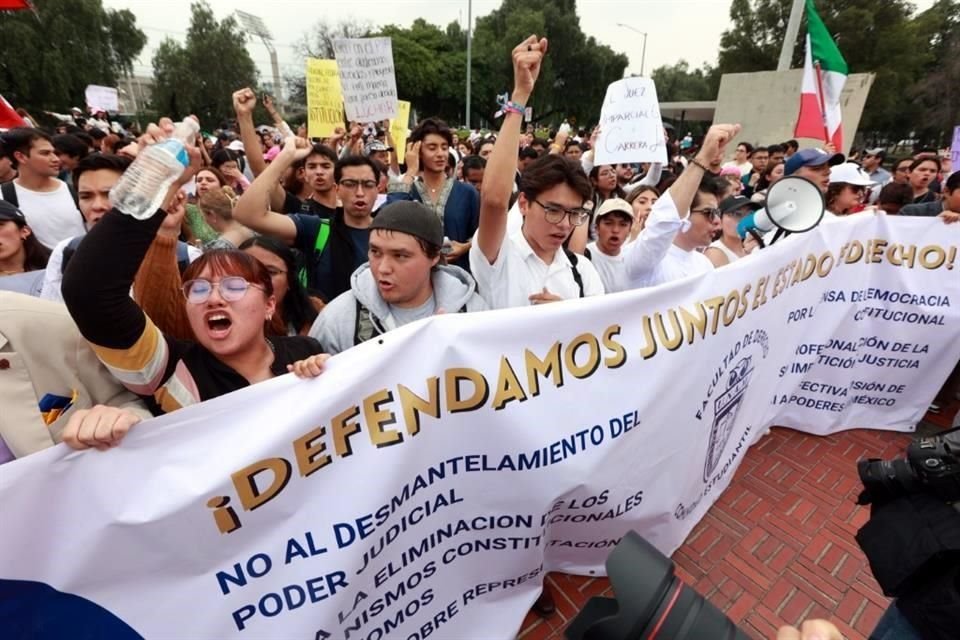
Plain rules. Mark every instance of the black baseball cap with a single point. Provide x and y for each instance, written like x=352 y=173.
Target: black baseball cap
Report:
x=412 y=218
x=734 y=203
x=10 y=212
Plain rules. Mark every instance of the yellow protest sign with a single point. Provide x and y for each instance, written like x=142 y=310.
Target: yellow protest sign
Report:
x=398 y=128
x=324 y=98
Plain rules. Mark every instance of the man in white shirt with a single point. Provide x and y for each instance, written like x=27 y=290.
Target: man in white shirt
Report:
x=46 y=201
x=683 y=221
x=614 y=218
x=530 y=266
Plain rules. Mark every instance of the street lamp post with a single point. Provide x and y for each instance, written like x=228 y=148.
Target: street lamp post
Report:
x=469 y=55
x=643 y=54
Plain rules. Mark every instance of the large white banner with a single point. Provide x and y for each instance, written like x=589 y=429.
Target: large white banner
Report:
x=424 y=484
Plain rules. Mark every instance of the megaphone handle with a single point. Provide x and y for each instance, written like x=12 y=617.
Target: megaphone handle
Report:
x=781 y=233
x=756 y=236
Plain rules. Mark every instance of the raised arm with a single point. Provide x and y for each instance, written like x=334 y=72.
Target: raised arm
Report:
x=502 y=166
x=244 y=102
x=253 y=207
x=671 y=210
x=96 y=290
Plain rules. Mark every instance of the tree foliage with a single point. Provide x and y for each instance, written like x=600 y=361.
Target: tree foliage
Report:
x=677 y=83
x=909 y=53
x=201 y=75
x=52 y=56
x=431 y=61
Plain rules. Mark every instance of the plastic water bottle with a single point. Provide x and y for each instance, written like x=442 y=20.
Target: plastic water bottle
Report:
x=143 y=186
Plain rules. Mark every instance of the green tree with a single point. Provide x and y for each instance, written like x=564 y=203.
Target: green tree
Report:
x=937 y=92
x=431 y=67
x=52 y=56
x=575 y=74
x=201 y=75
x=676 y=83
x=874 y=37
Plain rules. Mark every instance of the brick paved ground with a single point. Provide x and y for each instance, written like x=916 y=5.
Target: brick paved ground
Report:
x=778 y=546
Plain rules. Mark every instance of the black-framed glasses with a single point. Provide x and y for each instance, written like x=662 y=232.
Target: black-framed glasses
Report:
x=739 y=214
x=231 y=289
x=711 y=212
x=554 y=214
x=349 y=183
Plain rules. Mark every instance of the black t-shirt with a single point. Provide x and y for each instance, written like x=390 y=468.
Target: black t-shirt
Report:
x=293 y=204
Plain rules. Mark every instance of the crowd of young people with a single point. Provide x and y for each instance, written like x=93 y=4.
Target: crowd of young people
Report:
x=273 y=251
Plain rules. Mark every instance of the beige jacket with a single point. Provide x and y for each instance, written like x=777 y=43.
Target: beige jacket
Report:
x=41 y=352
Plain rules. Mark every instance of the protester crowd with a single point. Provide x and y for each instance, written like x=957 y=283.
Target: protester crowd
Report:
x=273 y=250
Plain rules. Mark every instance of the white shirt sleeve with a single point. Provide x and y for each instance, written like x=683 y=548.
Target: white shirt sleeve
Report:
x=654 y=241
x=586 y=161
x=53 y=276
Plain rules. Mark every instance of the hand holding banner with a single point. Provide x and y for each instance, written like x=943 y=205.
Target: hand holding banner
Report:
x=324 y=98
x=630 y=126
x=368 y=79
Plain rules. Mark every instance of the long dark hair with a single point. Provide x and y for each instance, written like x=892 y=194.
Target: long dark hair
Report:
x=295 y=308
x=35 y=254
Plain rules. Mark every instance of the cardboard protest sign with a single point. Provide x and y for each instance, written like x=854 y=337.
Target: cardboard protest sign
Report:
x=367 y=77
x=398 y=129
x=104 y=98
x=630 y=126
x=324 y=98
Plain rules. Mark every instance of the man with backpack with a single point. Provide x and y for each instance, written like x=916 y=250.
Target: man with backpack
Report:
x=530 y=266
x=406 y=280
x=334 y=247
x=48 y=203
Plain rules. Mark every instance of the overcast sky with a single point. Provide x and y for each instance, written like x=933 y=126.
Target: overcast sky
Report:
x=678 y=29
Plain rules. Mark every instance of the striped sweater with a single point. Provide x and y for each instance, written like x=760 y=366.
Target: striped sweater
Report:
x=166 y=372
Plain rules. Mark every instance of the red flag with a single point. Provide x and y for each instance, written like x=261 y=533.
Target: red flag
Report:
x=11 y=5
x=8 y=117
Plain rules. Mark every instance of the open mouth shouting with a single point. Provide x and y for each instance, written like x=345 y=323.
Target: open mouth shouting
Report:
x=218 y=324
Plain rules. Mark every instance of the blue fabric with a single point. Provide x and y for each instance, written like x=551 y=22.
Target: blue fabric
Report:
x=893 y=626
x=461 y=215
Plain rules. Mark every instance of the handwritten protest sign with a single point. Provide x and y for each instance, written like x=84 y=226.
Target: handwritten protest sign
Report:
x=630 y=125
x=324 y=98
x=955 y=150
x=398 y=129
x=102 y=98
x=368 y=79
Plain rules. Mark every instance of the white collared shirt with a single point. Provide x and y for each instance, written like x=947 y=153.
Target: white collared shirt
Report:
x=518 y=273
x=653 y=259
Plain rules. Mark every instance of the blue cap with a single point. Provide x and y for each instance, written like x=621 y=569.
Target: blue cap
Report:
x=811 y=158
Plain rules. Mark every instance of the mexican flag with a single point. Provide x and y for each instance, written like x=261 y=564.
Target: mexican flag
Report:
x=824 y=74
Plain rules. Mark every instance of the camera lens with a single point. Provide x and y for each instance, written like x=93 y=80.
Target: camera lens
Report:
x=651 y=603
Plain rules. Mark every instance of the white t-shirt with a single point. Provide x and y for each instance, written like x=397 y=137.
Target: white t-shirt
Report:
x=518 y=273
x=611 y=269
x=52 y=215
x=653 y=259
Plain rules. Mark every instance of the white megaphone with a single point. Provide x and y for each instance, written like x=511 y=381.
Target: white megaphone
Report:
x=793 y=205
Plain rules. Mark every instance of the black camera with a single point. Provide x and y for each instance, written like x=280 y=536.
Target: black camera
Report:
x=932 y=465
x=651 y=602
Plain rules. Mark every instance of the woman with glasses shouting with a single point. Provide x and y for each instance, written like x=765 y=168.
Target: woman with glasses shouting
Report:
x=229 y=303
